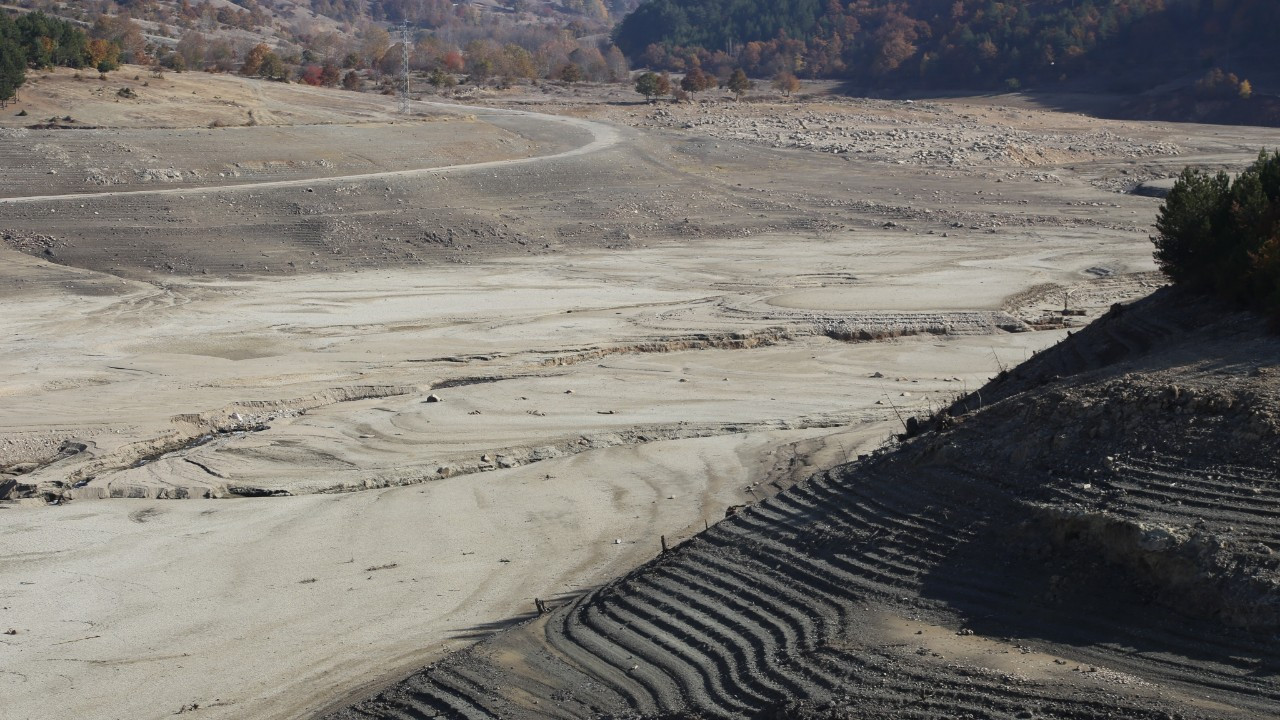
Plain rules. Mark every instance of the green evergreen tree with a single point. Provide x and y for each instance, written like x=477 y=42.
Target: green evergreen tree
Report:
x=647 y=84
x=1187 y=223
x=1220 y=236
x=13 y=61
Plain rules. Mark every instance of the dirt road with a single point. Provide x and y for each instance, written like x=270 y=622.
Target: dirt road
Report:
x=600 y=136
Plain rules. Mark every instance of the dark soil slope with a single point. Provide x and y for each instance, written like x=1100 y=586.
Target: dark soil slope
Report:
x=1097 y=537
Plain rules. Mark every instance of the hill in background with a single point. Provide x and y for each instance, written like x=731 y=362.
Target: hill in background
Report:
x=1126 y=46
x=331 y=42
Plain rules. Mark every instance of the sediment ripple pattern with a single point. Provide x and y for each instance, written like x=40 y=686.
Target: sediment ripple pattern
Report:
x=1138 y=563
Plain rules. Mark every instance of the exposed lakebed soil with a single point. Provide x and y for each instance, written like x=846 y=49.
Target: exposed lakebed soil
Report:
x=1094 y=537
x=220 y=352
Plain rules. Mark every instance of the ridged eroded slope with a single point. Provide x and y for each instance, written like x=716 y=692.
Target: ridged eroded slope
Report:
x=1095 y=537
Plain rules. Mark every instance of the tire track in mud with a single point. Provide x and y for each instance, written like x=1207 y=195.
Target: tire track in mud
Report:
x=787 y=609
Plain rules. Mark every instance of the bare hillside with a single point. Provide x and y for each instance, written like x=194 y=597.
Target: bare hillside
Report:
x=1094 y=537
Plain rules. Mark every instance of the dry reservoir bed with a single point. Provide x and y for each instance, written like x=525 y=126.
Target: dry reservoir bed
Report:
x=616 y=345
x=266 y=607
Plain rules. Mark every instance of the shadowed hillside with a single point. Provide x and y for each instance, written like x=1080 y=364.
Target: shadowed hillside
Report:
x=1095 y=537
x=1125 y=46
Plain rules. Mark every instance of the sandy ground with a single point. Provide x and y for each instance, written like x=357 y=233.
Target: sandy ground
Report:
x=1090 y=536
x=265 y=609
x=630 y=324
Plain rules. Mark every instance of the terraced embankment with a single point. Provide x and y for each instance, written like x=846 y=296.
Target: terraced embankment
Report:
x=1094 y=536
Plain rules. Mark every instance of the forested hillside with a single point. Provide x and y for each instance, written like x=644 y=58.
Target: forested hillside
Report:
x=1128 y=44
x=330 y=42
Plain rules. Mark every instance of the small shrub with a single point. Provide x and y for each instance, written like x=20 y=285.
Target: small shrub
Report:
x=22 y=113
x=1220 y=85
x=127 y=93
x=440 y=79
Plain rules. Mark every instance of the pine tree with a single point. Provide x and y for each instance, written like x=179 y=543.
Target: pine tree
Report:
x=13 y=61
x=647 y=85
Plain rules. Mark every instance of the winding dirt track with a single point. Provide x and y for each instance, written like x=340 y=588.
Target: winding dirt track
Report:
x=602 y=136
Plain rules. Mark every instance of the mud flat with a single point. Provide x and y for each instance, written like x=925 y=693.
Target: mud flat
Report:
x=272 y=441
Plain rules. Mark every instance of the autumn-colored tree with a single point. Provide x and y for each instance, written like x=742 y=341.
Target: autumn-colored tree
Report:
x=309 y=74
x=570 y=73
x=616 y=64
x=330 y=75
x=696 y=80
x=484 y=60
x=323 y=47
x=125 y=34
x=222 y=57
x=553 y=53
x=254 y=59
x=894 y=42
x=392 y=61
x=351 y=80
x=103 y=53
x=1246 y=90
x=518 y=63
x=738 y=83
x=374 y=44
x=786 y=83
x=656 y=55
x=192 y=48
x=590 y=61
x=664 y=83
x=453 y=61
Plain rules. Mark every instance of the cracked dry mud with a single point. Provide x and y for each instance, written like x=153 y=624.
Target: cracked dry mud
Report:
x=222 y=376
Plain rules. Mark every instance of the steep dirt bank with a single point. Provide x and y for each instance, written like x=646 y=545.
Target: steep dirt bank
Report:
x=1094 y=537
